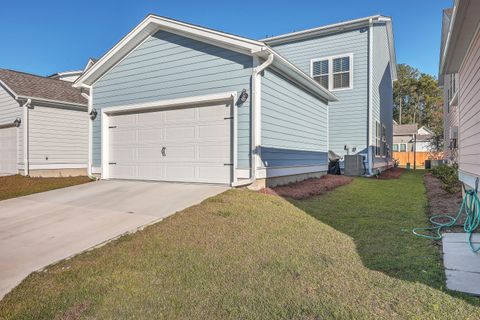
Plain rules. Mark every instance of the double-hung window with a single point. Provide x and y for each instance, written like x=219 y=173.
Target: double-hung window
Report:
x=378 y=139
x=320 y=72
x=333 y=73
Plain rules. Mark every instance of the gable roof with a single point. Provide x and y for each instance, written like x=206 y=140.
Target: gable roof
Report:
x=153 y=23
x=28 y=86
x=341 y=27
x=404 y=129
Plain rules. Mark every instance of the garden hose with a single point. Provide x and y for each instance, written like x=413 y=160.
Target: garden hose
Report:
x=470 y=206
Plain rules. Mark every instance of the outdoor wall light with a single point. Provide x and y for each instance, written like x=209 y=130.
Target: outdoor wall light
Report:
x=93 y=114
x=243 y=95
x=17 y=122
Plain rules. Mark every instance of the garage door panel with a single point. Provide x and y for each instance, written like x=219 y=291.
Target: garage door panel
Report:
x=8 y=150
x=214 y=152
x=150 y=135
x=151 y=154
x=217 y=131
x=122 y=155
x=128 y=119
x=213 y=112
x=180 y=173
x=197 y=142
x=120 y=137
x=179 y=133
x=180 y=115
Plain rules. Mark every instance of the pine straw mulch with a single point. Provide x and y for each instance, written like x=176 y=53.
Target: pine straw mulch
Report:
x=393 y=173
x=308 y=188
x=442 y=202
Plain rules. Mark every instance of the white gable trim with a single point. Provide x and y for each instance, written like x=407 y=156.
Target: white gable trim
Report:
x=152 y=24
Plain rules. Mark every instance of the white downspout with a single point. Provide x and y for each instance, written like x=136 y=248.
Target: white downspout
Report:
x=26 y=165
x=256 y=101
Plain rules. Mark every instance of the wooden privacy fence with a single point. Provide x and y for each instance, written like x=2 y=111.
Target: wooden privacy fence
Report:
x=404 y=157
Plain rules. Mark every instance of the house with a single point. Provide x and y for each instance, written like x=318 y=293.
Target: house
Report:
x=43 y=126
x=178 y=102
x=449 y=84
x=356 y=61
x=460 y=61
x=71 y=76
x=408 y=137
x=412 y=144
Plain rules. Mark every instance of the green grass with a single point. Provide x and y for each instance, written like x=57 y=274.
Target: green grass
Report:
x=245 y=255
x=17 y=185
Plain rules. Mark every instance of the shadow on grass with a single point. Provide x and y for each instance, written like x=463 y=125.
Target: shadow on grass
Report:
x=379 y=216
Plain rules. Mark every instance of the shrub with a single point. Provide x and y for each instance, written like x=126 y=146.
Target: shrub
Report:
x=448 y=175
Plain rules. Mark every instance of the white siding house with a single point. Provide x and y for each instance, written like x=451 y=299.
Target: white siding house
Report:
x=43 y=126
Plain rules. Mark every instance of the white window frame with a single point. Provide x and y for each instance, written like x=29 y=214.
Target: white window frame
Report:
x=400 y=147
x=396 y=145
x=330 y=70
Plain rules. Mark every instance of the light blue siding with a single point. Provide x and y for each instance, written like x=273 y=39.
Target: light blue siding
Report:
x=349 y=116
x=294 y=124
x=169 y=66
x=382 y=89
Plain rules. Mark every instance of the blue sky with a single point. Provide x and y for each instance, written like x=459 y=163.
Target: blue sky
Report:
x=44 y=37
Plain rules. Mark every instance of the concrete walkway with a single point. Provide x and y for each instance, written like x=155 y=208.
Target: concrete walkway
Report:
x=462 y=266
x=40 y=229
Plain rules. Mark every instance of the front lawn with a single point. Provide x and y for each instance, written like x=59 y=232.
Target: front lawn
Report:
x=246 y=255
x=18 y=185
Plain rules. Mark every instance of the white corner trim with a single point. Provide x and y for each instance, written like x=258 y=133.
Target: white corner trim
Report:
x=178 y=102
x=153 y=23
x=330 y=70
x=370 y=99
x=97 y=170
x=26 y=137
x=90 y=129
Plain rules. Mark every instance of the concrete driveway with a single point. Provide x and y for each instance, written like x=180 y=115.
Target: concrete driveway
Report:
x=43 y=228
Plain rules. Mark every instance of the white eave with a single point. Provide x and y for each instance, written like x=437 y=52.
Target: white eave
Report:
x=152 y=23
x=464 y=24
x=341 y=27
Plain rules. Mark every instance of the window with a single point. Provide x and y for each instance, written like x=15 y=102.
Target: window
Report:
x=395 y=147
x=403 y=147
x=320 y=72
x=341 y=73
x=333 y=73
x=384 y=141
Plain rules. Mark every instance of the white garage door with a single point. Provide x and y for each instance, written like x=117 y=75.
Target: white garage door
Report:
x=8 y=150
x=183 y=144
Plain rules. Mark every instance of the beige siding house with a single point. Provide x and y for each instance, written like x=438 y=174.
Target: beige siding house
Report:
x=43 y=126
x=460 y=62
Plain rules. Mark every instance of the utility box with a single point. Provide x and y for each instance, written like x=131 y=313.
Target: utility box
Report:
x=353 y=165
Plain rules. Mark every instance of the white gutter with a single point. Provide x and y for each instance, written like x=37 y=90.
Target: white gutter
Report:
x=256 y=112
x=26 y=165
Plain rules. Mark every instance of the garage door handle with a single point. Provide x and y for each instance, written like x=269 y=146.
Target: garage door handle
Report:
x=164 y=151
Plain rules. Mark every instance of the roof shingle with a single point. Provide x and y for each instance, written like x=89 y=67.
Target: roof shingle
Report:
x=404 y=129
x=32 y=86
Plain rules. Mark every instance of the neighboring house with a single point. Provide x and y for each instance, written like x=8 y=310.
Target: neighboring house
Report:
x=460 y=56
x=412 y=145
x=179 y=102
x=356 y=61
x=449 y=84
x=43 y=126
x=72 y=76
x=405 y=136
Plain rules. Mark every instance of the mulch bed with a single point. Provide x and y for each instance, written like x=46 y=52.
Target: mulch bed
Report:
x=393 y=173
x=442 y=202
x=308 y=188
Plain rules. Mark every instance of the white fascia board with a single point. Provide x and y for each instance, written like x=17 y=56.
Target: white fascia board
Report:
x=150 y=25
x=340 y=26
x=294 y=73
x=8 y=89
x=54 y=102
